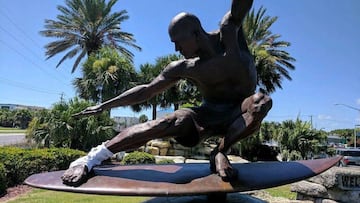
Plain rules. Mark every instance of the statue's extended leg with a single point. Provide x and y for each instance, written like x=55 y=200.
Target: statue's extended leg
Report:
x=178 y=123
x=254 y=111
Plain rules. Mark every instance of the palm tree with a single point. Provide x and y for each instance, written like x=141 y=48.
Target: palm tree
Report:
x=272 y=62
x=106 y=74
x=147 y=73
x=57 y=128
x=177 y=93
x=83 y=27
x=22 y=118
x=299 y=137
x=182 y=92
x=6 y=118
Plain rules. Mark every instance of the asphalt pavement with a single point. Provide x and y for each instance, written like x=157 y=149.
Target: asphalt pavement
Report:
x=13 y=138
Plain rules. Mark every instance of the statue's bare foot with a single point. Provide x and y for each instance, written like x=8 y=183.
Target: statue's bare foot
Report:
x=75 y=176
x=220 y=164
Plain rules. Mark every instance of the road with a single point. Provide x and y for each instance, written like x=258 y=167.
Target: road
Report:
x=14 y=138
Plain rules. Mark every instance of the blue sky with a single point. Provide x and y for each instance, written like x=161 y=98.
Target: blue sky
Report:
x=324 y=36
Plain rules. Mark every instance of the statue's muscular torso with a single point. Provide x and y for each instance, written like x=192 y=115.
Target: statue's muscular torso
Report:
x=228 y=77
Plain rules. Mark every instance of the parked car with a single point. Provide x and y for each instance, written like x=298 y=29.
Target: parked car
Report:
x=351 y=156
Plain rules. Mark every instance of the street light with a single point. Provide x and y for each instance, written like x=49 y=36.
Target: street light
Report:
x=357 y=109
x=351 y=107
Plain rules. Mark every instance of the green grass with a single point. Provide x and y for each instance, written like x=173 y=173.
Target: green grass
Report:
x=47 y=196
x=11 y=130
x=282 y=191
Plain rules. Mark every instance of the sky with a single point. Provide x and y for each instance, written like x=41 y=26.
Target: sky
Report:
x=324 y=37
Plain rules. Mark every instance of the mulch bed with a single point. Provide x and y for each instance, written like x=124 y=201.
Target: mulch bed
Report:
x=14 y=192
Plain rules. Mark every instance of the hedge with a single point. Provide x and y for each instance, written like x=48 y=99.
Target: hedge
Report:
x=166 y=161
x=20 y=163
x=138 y=158
x=2 y=179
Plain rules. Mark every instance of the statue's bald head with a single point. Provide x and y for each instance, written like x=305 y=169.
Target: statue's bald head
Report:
x=184 y=22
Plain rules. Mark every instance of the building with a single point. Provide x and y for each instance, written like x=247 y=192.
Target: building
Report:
x=123 y=122
x=18 y=106
x=335 y=140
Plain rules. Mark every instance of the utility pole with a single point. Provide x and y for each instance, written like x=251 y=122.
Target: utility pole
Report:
x=356 y=132
x=311 y=120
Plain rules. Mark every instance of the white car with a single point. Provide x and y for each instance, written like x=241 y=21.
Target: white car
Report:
x=351 y=156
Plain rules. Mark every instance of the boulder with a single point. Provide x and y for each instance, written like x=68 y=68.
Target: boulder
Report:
x=163 y=151
x=153 y=150
x=340 y=184
x=309 y=189
x=327 y=179
x=159 y=143
x=350 y=196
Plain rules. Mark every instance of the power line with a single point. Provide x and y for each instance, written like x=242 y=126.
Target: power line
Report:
x=27 y=36
x=18 y=41
x=32 y=62
x=27 y=86
x=18 y=27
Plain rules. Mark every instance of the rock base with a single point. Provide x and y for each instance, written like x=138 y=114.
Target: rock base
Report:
x=335 y=185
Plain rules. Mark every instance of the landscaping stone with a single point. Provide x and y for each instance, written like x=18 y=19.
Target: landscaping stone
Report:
x=339 y=184
x=153 y=150
x=327 y=179
x=310 y=189
x=196 y=161
x=176 y=159
x=236 y=159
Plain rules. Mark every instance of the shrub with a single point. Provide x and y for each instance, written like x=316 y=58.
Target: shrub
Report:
x=2 y=179
x=21 y=163
x=166 y=161
x=138 y=158
x=331 y=151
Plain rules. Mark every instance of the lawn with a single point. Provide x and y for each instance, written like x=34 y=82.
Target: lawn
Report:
x=4 y=130
x=47 y=196
x=282 y=191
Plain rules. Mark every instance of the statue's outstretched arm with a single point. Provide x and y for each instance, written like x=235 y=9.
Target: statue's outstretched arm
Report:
x=239 y=9
x=167 y=78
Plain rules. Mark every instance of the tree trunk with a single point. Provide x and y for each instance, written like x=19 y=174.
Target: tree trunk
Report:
x=176 y=106
x=154 y=111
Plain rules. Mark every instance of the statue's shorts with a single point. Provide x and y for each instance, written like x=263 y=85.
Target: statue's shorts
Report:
x=205 y=121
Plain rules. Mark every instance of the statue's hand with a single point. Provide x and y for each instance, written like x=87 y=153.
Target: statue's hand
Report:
x=75 y=176
x=92 y=110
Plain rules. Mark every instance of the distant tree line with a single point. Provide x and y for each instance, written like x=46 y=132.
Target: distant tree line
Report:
x=18 y=118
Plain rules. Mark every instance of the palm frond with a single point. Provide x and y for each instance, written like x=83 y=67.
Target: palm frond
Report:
x=89 y=25
x=272 y=61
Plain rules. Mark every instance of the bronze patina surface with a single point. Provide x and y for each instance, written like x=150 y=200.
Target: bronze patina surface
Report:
x=184 y=179
x=222 y=68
